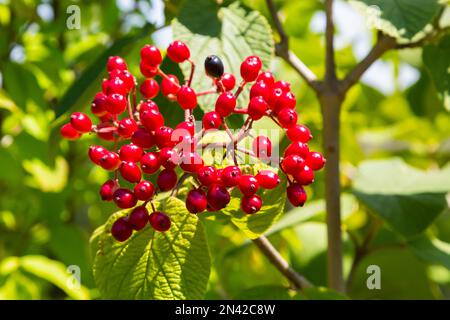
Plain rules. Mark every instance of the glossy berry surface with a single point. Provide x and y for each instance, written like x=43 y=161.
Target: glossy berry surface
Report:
x=212 y=120
x=130 y=152
x=80 y=122
x=130 y=171
x=315 y=161
x=167 y=179
x=228 y=81
x=107 y=190
x=268 y=179
x=218 y=196
x=214 y=66
x=127 y=127
x=144 y=190
x=251 y=204
x=160 y=221
x=150 y=163
x=178 y=51
x=138 y=218
x=69 y=133
x=230 y=176
x=187 y=98
x=296 y=195
x=96 y=153
x=121 y=230
x=225 y=104
x=207 y=175
x=248 y=184
x=257 y=107
x=196 y=201
x=250 y=68
x=150 y=55
x=124 y=198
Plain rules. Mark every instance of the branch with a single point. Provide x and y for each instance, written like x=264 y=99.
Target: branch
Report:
x=280 y=263
x=282 y=50
x=330 y=64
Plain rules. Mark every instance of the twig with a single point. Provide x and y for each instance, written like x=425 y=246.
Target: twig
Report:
x=280 y=263
x=330 y=64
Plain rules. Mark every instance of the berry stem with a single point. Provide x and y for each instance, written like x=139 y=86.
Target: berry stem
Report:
x=129 y=108
x=241 y=111
x=241 y=87
x=233 y=139
x=191 y=75
x=165 y=76
x=203 y=93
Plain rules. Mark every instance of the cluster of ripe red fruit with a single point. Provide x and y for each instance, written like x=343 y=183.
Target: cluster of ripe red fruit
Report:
x=156 y=148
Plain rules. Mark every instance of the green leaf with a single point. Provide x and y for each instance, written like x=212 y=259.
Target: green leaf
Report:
x=232 y=33
x=254 y=225
x=431 y=250
x=436 y=58
x=408 y=199
x=399 y=18
x=155 y=265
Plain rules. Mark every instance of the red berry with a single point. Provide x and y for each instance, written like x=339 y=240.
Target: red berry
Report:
x=268 y=179
x=151 y=55
x=183 y=132
x=211 y=120
x=248 y=184
x=228 y=81
x=138 y=218
x=130 y=171
x=293 y=163
x=275 y=95
x=283 y=85
x=121 y=229
x=267 y=77
x=178 y=51
x=230 y=176
x=115 y=85
x=191 y=162
x=159 y=221
x=127 y=127
x=124 y=198
x=116 y=62
x=107 y=190
x=207 y=175
x=143 y=138
x=168 y=158
x=163 y=137
x=218 y=196
x=288 y=118
x=225 y=103
x=126 y=77
x=147 y=70
x=98 y=106
x=250 y=68
x=262 y=147
x=286 y=100
x=151 y=119
x=262 y=89
x=69 y=133
x=107 y=132
x=188 y=126
x=96 y=153
x=167 y=179
x=144 y=190
x=146 y=106
x=130 y=152
x=251 y=204
x=150 y=163
x=315 y=160
x=298 y=148
x=187 y=98
x=110 y=161
x=80 y=122
x=170 y=85
x=304 y=176
x=149 y=88
x=196 y=201
x=296 y=195
x=299 y=132
x=115 y=103
x=257 y=108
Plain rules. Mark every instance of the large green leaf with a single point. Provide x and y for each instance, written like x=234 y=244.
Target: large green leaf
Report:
x=408 y=199
x=232 y=33
x=436 y=58
x=400 y=18
x=154 y=265
x=431 y=250
x=254 y=225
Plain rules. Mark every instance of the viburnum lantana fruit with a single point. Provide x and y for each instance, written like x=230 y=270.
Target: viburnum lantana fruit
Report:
x=144 y=144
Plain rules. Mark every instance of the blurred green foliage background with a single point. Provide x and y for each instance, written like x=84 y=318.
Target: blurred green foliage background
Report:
x=49 y=203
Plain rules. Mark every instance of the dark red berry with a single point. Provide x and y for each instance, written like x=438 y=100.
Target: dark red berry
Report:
x=250 y=68
x=107 y=190
x=116 y=62
x=211 y=120
x=191 y=162
x=151 y=55
x=288 y=118
x=262 y=147
x=167 y=179
x=115 y=103
x=218 y=196
x=163 y=137
x=169 y=158
x=225 y=104
x=110 y=161
x=149 y=88
x=159 y=221
x=251 y=204
x=127 y=127
x=80 y=122
x=130 y=152
x=124 y=198
x=98 y=104
x=130 y=171
x=96 y=153
x=228 y=81
x=299 y=132
x=138 y=218
x=151 y=119
x=69 y=133
x=257 y=107
x=150 y=163
x=296 y=195
x=121 y=229
x=268 y=179
x=304 y=176
x=106 y=131
x=230 y=176
x=207 y=175
x=315 y=161
x=187 y=98
x=143 y=138
x=170 y=85
x=178 y=51
x=196 y=201
x=248 y=184
x=144 y=190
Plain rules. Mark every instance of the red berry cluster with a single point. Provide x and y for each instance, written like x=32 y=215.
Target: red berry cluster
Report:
x=144 y=145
